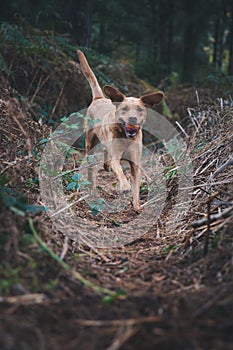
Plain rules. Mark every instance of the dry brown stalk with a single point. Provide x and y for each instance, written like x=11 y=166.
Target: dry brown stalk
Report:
x=65 y=248
x=209 y=201
x=57 y=100
x=120 y=322
x=26 y=299
x=224 y=165
x=122 y=335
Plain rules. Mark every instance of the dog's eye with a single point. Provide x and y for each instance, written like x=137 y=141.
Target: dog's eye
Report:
x=139 y=109
x=125 y=109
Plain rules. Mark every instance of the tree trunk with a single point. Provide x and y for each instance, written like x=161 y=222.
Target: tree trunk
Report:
x=190 y=43
x=80 y=15
x=216 y=42
x=170 y=40
x=223 y=19
x=230 y=66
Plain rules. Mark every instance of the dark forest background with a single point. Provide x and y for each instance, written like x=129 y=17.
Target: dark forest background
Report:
x=178 y=40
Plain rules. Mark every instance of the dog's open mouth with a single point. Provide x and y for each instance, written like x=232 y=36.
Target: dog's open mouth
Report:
x=131 y=130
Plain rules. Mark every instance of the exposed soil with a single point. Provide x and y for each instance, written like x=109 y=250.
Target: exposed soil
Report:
x=168 y=293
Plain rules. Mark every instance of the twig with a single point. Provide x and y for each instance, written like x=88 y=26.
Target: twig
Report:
x=207 y=166
x=96 y=251
x=24 y=132
x=57 y=101
x=209 y=194
x=68 y=206
x=26 y=299
x=224 y=165
x=122 y=335
x=65 y=248
x=13 y=163
x=148 y=179
x=191 y=118
x=205 y=184
x=197 y=97
x=182 y=129
x=76 y=169
x=225 y=214
x=39 y=86
x=120 y=322
x=32 y=82
x=221 y=104
x=218 y=203
x=208 y=225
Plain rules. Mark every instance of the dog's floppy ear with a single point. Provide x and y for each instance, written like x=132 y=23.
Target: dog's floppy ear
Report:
x=114 y=94
x=152 y=99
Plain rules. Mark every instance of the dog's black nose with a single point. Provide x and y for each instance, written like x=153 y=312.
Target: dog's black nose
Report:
x=132 y=120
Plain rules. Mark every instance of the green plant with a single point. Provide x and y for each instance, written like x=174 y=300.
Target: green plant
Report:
x=12 y=33
x=9 y=277
x=216 y=240
x=170 y=172
x=97 y=206
x=17 y=202
x=27 y=239
x=32 y=182
x=76 y=184
x=144 y=186
x=51 y=284
x=66 y=122
x=91 y=122
x=3 y=66
x=168 y=249
x=3 y=240
x=119 y=294
x=3 y=180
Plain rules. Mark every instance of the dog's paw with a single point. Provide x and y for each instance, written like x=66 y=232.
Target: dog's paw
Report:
x=107 y=166
x=137 y=209
x=125 y=187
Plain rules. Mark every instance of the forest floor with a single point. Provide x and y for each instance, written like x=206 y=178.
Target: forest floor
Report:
x=168 y=289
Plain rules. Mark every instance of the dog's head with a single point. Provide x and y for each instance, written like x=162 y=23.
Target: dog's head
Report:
x=131 y=111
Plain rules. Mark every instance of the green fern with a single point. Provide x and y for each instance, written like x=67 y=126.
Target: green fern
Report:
x=11 y=33
x=3 y=66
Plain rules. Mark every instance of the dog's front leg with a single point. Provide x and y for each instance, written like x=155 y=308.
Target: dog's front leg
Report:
x=107 y=162
x=114 y=151
x=117 y=169
x=91 y=177
x=135 y=179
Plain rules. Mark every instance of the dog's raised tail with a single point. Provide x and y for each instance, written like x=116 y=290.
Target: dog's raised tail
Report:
x=90 y=76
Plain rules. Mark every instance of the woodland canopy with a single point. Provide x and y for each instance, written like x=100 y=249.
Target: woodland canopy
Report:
x=184 y=41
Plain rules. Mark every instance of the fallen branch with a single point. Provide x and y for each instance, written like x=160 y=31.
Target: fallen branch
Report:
x=225 y=214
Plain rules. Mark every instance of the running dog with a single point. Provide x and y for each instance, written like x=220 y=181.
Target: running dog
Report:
x=118 y=122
